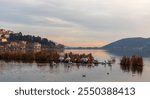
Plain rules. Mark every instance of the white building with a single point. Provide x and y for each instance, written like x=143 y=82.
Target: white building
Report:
x=9 y=32
x=3 y=40
x=22 y=45
x=6 y=35
x=2 y=31
x=37 y=46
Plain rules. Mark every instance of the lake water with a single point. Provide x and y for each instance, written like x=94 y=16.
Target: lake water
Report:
x=42 y=72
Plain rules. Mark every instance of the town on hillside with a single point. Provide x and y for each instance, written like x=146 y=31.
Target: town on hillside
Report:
x=10 y=41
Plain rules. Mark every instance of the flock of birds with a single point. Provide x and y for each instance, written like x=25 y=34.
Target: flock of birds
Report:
x=85 y=61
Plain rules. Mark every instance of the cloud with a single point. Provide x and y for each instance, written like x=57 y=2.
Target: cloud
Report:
x=92 y=20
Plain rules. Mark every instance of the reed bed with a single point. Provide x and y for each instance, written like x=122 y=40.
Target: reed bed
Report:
x=133 y=61
x=44 y=57
x=134 y=64
x=76 y=58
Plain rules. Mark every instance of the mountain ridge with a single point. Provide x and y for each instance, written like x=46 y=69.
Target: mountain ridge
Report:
x=129 y=46
x=129 y=43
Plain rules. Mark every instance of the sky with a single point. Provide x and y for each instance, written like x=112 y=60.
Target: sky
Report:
x=92 y=23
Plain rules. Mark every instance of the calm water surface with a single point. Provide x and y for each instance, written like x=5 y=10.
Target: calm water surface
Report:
x=26 y=72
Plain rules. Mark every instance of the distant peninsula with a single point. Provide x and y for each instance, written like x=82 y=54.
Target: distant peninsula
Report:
x=129 y=46
x=17 y=41
x=129 y=43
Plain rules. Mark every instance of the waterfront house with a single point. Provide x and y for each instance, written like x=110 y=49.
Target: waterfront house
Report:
x=9 y=32
x=3 y=40
x=1 y=35
x=1 y=47
x=14 y=44
x=37 y=46
x=22 y=45
x=2 y=31
x=34 y=46
x=6 y=36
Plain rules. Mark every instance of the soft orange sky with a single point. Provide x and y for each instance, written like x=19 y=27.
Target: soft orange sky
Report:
x=75 y=42
x=85 y=44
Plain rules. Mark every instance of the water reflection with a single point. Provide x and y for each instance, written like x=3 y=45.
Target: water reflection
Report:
x=122 y=52
x=65 y=66
x=10 y=71
x=133 y=69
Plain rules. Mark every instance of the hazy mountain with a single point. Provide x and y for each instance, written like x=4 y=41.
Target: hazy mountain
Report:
x=130 y=46
x=129 y=43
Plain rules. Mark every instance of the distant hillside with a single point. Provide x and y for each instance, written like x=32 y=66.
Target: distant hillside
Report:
x=130 y=46
x=129 y=43
x=16 y=37
x=8 y=38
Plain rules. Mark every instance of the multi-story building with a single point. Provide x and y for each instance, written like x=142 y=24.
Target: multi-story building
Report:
x=34 y=46
x=22 y=45
x=3 y=40
x=37 y=46
x=2 y=31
